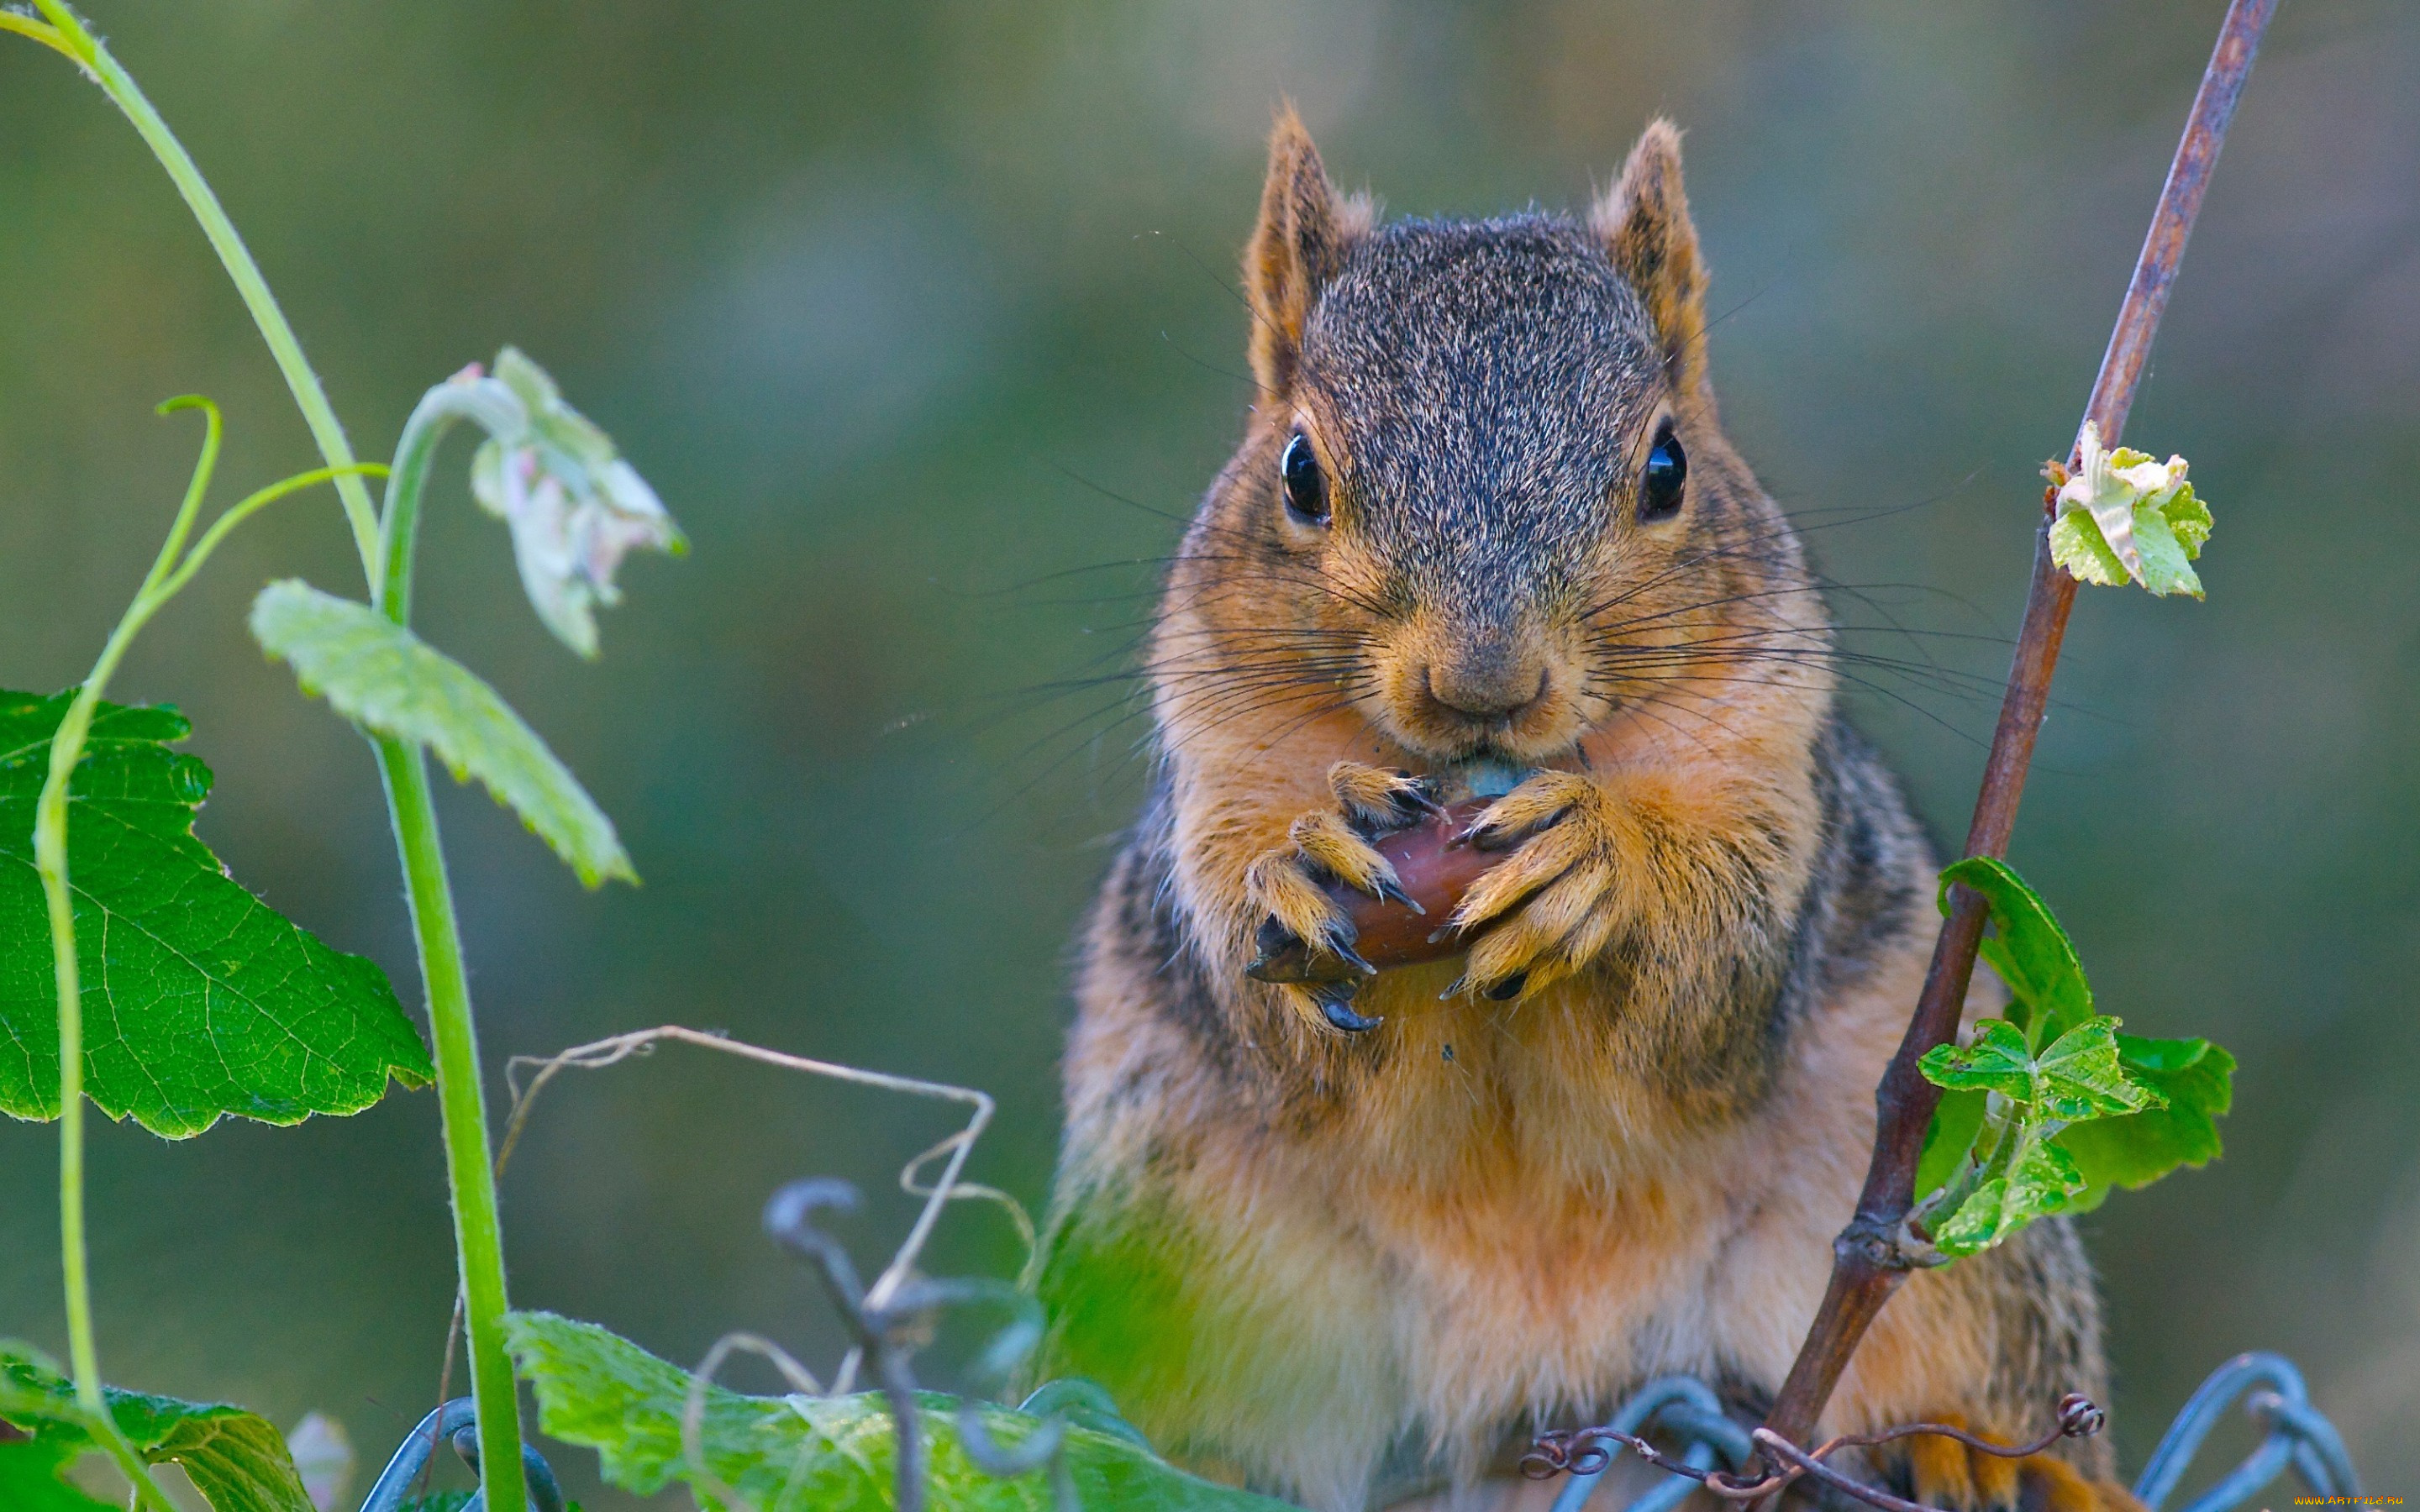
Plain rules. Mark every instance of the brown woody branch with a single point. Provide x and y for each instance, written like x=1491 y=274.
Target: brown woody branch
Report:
x=1873 y=1255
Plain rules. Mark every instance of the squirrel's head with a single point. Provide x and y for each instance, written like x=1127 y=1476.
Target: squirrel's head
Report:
x=1483 y=499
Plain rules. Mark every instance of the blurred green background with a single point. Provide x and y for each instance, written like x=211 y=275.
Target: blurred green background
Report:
x=919 y=318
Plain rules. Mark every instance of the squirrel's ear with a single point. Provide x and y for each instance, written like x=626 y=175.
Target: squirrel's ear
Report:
x=1306 y=230
x=1644 y=222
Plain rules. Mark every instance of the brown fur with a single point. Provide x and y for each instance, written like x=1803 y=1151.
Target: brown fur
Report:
x=1390 y=1252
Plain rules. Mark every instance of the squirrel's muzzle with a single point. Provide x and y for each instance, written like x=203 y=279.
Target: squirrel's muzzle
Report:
x=1491 y=685
x=1455 y=685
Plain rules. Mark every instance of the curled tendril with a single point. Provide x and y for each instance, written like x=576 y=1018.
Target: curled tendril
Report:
x=1566 y=1451
x=2080 y=1417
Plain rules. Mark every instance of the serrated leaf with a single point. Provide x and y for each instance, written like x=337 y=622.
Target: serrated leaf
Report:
x=829 y=1453
x=2122 y=515
x=2167 y=563
x=1947 y=1138
x=2076 y=543
x=2194 y=1069
x=2188 y=518
x=1977 y=1225
x=237 y=1459
x=2044 y=1180
x=1998 y=1060
x=381 y=676
x=199 y=1000
x=2195 y=1079
x=2161 y=549
x=2031 y=953
x=2079 y=1076
x=2118 y=1109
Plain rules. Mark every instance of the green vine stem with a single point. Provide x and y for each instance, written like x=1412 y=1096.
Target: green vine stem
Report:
x=167 y=576
x=462 y=1100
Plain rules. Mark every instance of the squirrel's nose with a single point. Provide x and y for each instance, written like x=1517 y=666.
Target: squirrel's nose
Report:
x=1489 y=688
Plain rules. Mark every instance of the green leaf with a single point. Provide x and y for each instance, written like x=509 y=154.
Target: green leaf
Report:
x=454 y=1502
x=2079 y=1076
x=235 y=1458
x=1998 y=1060
x=2188 y=519
x=199 y=1000
x=828 y=1454
x=2165 y=558
x=2123 y=515
x=1084 y=1403
x=2075 y=1083
x=1947 y=1138
x=2077 y=544
x=1977 y=1225
x=29 y=1480
x=2118 y=1110
x=2031 y=953
x=2043 y=1181
x=380 y=675
x=2166 y=538
x=2194 y=1078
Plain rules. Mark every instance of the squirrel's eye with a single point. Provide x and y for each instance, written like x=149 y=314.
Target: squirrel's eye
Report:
x=1660 y=480
x=1306 y=491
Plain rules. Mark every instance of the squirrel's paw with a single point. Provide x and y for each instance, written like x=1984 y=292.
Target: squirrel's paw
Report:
x=1304 y=941
x=1546 y=909
x=1943 y=1472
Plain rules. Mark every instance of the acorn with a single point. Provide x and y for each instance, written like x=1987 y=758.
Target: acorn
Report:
x=1436 y=866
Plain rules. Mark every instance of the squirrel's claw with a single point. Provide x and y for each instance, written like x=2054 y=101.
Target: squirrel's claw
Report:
x=1379 y=800
x=1329 y=842
x=1543 y=800
x=1337 y=1010
x=1547 y=909
x=1283 y=956
x=1389 y=892
x=1502 y=992
x=1306 y=941
x=1343 y=951
x=1287 y=959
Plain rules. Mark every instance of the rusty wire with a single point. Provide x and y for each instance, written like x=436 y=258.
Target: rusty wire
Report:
x=1583 y=1451
x=2271 y=1390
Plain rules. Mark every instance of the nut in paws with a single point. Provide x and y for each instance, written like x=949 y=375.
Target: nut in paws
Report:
x=1546 y=910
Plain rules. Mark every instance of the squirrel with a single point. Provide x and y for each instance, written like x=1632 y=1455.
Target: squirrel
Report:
x=1353 y=1238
